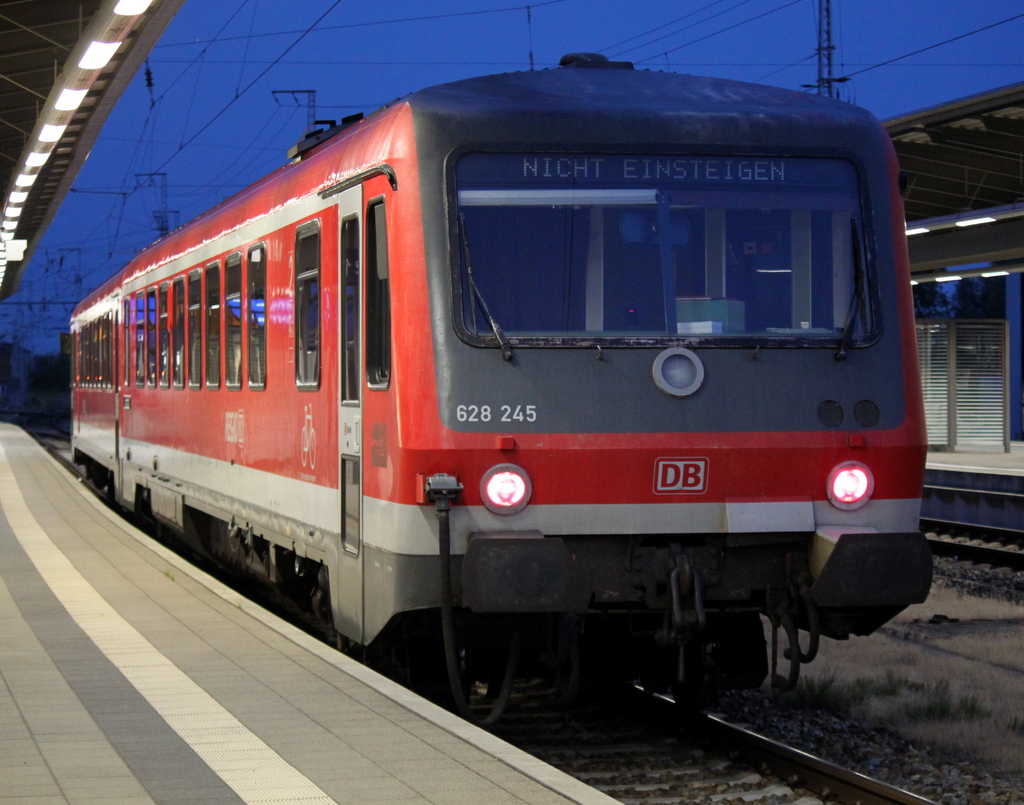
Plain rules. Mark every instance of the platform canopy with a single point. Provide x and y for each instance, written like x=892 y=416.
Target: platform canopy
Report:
x=965 y=192
x=63 y=65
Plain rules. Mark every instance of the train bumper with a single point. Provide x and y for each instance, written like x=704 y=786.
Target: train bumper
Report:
x=520 y=571
x=868 y=569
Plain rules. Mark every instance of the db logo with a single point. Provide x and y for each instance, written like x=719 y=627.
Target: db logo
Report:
x=677 y=476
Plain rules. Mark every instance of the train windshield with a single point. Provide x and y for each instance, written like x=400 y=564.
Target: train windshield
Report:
x=580 y=247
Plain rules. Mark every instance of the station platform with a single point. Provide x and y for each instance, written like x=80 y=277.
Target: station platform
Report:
x=975 y=489
x=996 y=462
x=128 y=676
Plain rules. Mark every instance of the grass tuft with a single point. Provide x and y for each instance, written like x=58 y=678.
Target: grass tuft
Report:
x=921 y=701
x=937 y=703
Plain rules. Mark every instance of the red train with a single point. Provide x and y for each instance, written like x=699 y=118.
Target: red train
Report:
x=590 y=367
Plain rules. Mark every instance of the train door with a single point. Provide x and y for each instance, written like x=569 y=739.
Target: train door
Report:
x=122 y=394
x=349 y=590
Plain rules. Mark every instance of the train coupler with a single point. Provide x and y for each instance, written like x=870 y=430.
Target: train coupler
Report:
x=684 y=607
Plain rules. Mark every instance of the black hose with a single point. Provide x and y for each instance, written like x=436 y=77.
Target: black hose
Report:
x=568 y=651
x=813 y=629
x=451 y=654
x=793 y=634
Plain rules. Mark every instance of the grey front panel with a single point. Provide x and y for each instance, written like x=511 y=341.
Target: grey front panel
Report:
x=571 y=391
x=576 y=390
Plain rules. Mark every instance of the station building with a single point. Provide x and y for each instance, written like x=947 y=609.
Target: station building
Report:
x=964 y=203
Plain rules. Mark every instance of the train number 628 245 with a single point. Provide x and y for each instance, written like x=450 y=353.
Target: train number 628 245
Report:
x=484 y=413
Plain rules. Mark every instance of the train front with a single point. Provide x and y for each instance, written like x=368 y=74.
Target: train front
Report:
x=676 y=370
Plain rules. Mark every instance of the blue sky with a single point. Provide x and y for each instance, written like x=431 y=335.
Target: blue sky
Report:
x=231 y=82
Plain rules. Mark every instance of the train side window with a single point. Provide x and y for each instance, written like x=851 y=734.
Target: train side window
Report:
x=86 y=347
x=140 y=339
x=195 y=329
x=233 y=322
x=307 y=306
x=257 y=317
x=93 y=352
x=213 y=326
x=78 y=357
x=80 y=350
x=88 y=351
x=378 y=298
x=164 y=357
x=151 y=337
x=178 y=333
x=126 y=339
x=350 y=310
x=83 y=355
x=105 y=342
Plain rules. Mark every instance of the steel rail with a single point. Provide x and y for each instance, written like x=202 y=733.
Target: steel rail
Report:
x=979 y=554
x=813 y=773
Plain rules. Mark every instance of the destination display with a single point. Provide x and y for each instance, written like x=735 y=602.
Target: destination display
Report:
x=583 y=170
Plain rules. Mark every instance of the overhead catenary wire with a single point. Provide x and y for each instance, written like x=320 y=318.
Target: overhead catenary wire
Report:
x=660 y=27
x=722 y=30
x=371 y=23
x=684 y=28
x=936 y=45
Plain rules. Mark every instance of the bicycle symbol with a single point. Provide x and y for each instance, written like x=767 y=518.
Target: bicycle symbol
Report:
x=308 y=439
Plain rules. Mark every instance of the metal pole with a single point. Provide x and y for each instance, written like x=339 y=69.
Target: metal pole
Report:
x=826 y=76
x=1013 y=377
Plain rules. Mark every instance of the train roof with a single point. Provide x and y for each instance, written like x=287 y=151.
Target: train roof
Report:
x=607 y=101
x=583 y=89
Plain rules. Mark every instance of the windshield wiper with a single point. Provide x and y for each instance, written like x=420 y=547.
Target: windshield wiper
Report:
x=857 y=300
x=503 y=342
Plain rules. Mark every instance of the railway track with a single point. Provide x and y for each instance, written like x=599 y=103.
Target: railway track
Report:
x=821 y=776
x=634 y=750
x=976 y=545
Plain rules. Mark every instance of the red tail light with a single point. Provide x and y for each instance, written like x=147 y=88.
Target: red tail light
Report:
x=850 y=485
x=505 y=488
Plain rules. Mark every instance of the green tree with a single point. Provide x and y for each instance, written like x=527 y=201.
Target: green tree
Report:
x=932 y=302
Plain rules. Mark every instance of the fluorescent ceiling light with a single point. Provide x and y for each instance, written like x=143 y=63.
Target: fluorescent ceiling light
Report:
x=25 y=179
x=954 y=278
x=97 y=55
x=974 y=221
x=913 y=282
x=12 y=212
x=17 y=197
x=996 y=274
x=10 y=225
x=919 y=230
x=70 y=99
x=36 y=158
x=6 y=235
x=51 y=133
x=131 y=8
